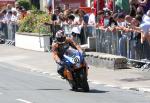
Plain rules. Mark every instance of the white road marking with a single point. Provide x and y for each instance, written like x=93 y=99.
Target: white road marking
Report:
x=25 y=101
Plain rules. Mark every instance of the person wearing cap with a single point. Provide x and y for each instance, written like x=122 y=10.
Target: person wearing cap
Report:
x=59 y=47
x=123 y=38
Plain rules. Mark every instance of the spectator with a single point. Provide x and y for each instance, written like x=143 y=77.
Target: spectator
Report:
x=107 y=15
x=123 y=38
x=55 y=17
x=146 y=18
x=101 y=18
x=133 y=7
x=86 y=18
x=92 y=20
x=14 y=8
x=140 y=11
x=145 y=4
x=145 y=26
x=8 y=17
x=4 y=23
x=9 y=7
x=112 y=22
x=121 y=20
x=122 y=6
x=71 y=19
x=110 y=5
x=14 y=17
x=77 y=17
x=135 y=41
x=76 y=30
x=145 y=38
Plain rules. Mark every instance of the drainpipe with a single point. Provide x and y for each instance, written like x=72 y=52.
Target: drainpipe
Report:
x=114 y=9
x=53 y=5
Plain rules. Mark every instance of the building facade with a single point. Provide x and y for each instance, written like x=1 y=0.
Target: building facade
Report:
x=71 y=3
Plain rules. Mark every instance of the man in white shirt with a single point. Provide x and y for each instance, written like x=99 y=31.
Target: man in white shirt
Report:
x=145 y=37
x=145 y=27
x=91 y=23
x=92 y=20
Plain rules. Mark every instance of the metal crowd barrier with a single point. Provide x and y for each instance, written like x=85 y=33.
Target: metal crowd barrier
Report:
x=3 y=32
x=116 y=43
x=120 y=43
x=7 y=32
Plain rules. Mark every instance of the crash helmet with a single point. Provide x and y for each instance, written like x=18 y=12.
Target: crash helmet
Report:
x=60 y=37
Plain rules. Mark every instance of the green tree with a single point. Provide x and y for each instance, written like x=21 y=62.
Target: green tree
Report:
x=25 y=4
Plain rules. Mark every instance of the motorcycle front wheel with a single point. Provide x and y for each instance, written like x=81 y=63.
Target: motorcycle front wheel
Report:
x=73 y=85
x=84 y=82
x=85 y=85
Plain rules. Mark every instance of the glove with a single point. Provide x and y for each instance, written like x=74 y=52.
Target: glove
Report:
x=82 y=53
x=61 y=63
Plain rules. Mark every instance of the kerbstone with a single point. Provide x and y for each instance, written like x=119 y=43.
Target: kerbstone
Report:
x=106 y=60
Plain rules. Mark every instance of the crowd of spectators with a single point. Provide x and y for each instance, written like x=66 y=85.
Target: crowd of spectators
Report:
x=9 y=17
x=128 y=16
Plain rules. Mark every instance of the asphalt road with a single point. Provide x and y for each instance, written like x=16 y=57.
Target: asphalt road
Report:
x=17 y=86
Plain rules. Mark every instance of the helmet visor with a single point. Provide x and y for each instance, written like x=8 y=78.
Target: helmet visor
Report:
x=61 y=39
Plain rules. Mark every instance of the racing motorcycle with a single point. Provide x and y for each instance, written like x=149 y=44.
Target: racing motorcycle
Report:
x=75 y=70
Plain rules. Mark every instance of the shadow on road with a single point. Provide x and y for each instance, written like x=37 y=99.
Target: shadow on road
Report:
x=92 y=91
x=97 y=91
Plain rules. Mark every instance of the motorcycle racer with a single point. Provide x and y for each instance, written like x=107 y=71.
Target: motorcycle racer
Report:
x=59 y=47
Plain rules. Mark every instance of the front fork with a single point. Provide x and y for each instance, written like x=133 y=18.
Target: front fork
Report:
x=86 y=67
x=68 y=74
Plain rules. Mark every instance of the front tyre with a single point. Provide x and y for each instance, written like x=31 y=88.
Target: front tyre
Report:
x=85 y=86
x=73 y=85
x=84 y=82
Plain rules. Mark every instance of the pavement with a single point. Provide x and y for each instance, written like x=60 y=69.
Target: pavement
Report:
x=42 y=62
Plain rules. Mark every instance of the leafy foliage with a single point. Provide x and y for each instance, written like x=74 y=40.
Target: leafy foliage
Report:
x=25 y=4
x=34 y=22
